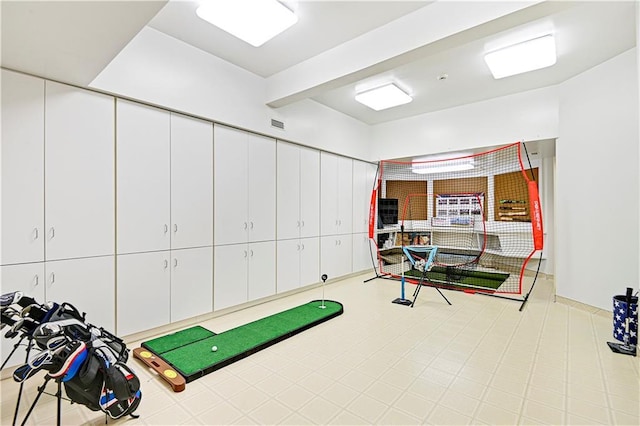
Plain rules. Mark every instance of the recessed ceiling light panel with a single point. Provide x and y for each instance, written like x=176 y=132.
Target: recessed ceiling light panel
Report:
x=383 y=97
x=522 y=57
x=253 y=21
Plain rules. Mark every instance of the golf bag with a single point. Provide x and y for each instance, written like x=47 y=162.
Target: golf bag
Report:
x=88 y=360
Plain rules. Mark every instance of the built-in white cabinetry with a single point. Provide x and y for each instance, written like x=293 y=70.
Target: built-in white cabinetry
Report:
x=243 y=272
x=79 y=172
x=364 y=252
x=57 y=171
x=165 y=180
x=88 y=284
x=336 y=194
x=158 y=288
x=244 y=187
x=335 y=255
x=298 y=191
x=22 y=162
x=144 y=291
x=298 y=263
x=191 y=182
x=143 y=178
x=29 y=279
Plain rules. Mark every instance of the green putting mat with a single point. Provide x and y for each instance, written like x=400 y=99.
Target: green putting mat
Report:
x=190 y=351
x=489 y=281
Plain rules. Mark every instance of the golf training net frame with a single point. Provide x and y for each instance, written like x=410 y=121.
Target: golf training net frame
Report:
x=482 y=211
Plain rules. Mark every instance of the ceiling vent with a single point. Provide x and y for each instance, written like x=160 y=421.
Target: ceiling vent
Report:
x=277 y=124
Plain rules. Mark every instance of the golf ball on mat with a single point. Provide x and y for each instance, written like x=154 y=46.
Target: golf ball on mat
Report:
x=214 y=348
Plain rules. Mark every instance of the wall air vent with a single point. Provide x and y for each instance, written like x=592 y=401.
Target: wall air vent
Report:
x=278 y=124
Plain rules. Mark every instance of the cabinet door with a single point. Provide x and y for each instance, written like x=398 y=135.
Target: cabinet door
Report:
x=22 y=168
x=29 y=279
x=87 y=284
x=261 y=188
x=143 y=179
x=309 y=193
x=79 y=165
x=262 y=270
x=336 y=254
x=362 y=252
x=288 y=267
x=288 y=190
x=328 y=194
x=191 y=282
x=363 y=179
x=345 y=195
x=143 y=291
x=309 y=261
x=229 y=275
x=230 y=185
x=191 y=182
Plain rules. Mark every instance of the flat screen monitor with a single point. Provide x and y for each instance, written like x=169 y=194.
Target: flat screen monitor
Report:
x=388 y=210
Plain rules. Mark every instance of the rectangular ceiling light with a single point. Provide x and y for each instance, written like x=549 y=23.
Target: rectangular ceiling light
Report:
x=522 y=57
x=253 y=21
x=383 y=97
x=443 y=164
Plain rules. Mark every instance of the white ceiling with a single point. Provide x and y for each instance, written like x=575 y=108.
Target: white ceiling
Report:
x=336 y=47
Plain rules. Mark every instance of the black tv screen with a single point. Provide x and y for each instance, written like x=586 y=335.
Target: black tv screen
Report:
x=388 y=210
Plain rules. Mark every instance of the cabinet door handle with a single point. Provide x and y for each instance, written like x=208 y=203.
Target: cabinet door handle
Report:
x=166 y=264
x=35 y=233
x=53 y=278
x=302 y=246
x=251 y=253
x=175 y=262
x=166 y=228
x=245 y=253
x=298 y=247
x=245 y=225
x=175 y=227
x=298 y=225
x=303 y=223
x=52 y=232
x=36 y=280
x=251 y=225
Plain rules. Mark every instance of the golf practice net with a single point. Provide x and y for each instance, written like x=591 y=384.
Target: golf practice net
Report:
x=482 y=211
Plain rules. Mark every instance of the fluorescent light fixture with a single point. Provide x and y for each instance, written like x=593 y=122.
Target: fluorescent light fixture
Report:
x=522 y=57
x=253 y=21
x=383 y=97
x=441 y=164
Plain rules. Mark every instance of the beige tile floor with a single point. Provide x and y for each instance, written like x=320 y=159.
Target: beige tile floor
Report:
x=479 y=361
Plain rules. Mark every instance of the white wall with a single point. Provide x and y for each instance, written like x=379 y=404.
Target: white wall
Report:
x=163 y=71
x=597 y=183
x=527 y=116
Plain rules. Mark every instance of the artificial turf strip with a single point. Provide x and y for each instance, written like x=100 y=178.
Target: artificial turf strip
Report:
x=194 y=359
x=488 y=280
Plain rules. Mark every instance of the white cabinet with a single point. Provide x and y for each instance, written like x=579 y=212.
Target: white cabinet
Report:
x=298 y=263
x=364 y=252
x=143 y=178
x=144 y=292
x=191 y=282
x=364 y=175
x=244 y=187
x=88 y=284
x=165 y=180
x=29 y=279
x=191 y=182
x=335 y=255
x=157 y=288
x=298 y=191
x=336 y=194
x=243 y=272
x=71 y=178
x=79 y=165
x=22 y=153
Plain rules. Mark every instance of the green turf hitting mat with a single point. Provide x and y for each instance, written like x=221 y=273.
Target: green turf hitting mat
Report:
x=487 y=281
x=196 y=351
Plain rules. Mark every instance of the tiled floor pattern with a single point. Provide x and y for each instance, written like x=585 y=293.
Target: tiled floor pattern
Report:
x=479 y=361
